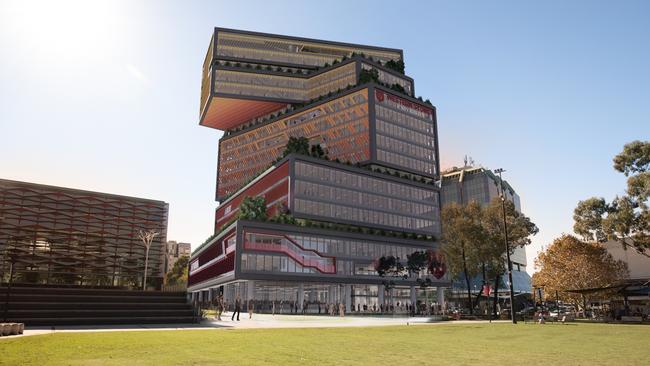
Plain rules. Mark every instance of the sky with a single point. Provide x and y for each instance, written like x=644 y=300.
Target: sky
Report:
x=104 y=96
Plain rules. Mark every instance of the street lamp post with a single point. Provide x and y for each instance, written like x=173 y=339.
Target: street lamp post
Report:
x=146 y=237
x=505 y=234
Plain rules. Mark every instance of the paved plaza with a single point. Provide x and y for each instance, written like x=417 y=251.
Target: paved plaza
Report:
x=259 y=321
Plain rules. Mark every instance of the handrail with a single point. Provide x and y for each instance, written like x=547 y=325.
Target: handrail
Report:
x=324 y=264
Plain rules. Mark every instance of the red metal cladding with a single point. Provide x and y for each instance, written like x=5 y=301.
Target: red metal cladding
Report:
x=227 y=264
x=273 y=187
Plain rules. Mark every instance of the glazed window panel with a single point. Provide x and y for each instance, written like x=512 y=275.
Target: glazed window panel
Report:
x=344 y=135
x=269 y=48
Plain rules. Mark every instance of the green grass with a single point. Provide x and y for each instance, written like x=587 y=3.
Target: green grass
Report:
x=449 y=344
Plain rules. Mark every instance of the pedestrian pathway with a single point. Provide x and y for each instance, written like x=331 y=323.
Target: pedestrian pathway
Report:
x=259 y=321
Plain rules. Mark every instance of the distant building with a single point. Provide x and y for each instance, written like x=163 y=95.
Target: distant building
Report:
x=637 y=263
x=63 y=236
x=174 y=251
x=467 y=184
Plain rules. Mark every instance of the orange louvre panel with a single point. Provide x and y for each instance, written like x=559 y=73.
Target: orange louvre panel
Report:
x=225 y=113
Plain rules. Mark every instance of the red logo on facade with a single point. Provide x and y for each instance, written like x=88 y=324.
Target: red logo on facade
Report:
x=437 y=265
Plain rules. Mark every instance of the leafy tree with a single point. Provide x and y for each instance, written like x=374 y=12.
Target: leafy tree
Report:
x=626 y=219
x=317 y=151
x=395 y=65
x=297 y=145
x=520 y=229
x=178 y=273
x=571 y=264
x=253 y=208
x=462 y=231
x=366 y=76
x=283 y=215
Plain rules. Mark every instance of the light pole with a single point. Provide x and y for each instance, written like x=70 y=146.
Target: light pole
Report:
x=505 y=235
x=146 y=237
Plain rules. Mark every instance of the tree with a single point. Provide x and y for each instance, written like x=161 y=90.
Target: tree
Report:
x=147 y=238
x=253 y=208
x=395 y=65
x=626 y=219
x=297 y=145
x=520 y=229
x=177 y=275
x=571 y=264
x=366 y=76
x=462 y=231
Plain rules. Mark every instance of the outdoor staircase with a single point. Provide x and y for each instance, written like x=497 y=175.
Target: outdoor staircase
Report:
x=53 y=306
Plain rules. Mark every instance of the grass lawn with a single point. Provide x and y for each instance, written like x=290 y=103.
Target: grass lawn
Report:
x=449 y=344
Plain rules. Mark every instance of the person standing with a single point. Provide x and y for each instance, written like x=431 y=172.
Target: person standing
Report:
x=341 y=309
x=237 y=309
x=250 y=309
x=273 y=308
x=219 y=307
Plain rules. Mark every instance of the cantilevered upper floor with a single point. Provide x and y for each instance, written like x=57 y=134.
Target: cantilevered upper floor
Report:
x=247 y=75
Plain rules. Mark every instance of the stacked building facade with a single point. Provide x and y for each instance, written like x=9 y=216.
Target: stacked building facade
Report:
x=374 y=196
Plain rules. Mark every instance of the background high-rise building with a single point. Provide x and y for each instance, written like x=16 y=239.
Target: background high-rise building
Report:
x=173 y=251
x=467 y=184
x=330 y=220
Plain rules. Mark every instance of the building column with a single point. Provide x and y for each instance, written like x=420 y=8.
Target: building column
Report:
x=348 y=298
x=380 y=294
x=301 y=295
x=250 y=290
x=440 y=291
x=414 y=296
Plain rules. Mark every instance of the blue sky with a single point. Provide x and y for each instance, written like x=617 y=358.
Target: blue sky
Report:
x=104 y=95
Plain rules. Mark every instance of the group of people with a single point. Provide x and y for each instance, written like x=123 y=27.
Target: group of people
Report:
x=221 y=306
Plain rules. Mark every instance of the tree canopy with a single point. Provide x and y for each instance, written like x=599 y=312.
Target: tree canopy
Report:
x=178 y=273
x=571 y=264
x=626 y=219
x=473 y=238
x=253 y=208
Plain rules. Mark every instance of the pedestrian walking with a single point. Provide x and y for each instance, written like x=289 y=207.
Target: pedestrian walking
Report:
x=341 y=309
x=237 y=309
x=250 y=309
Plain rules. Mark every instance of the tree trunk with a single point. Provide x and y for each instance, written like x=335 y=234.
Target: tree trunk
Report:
x=469 y=292
x=480 y=293
x=496 y=295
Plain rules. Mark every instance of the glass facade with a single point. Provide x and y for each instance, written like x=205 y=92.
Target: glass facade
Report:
x=285 y=87
x=345 y=196
x=340 y=126
x=291 y=51
x=405 y=134
x=352 y=257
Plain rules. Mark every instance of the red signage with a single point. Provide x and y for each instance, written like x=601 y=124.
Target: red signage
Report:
x=437 y=265
x=380 y=95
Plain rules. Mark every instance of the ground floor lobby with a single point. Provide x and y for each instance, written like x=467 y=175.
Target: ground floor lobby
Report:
x=286 y=297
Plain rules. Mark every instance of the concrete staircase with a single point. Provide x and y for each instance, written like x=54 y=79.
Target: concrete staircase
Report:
x=52 y=306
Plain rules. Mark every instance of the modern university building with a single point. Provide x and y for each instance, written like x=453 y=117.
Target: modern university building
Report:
x=330 y=219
